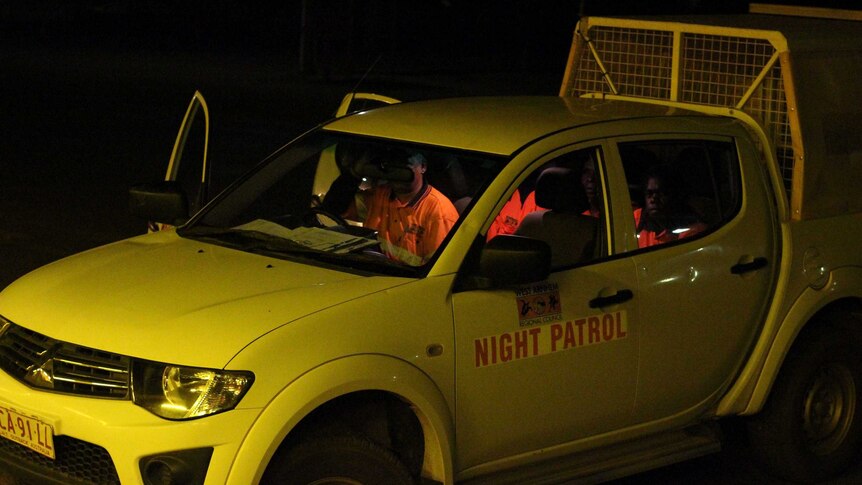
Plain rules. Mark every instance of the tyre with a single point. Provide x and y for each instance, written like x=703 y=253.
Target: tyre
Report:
x=337 y=460
x=809 y=429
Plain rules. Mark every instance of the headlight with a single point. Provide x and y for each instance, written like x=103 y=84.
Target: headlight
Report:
x=177 y=392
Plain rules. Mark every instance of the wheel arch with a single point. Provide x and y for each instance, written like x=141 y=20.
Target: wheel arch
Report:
x=811 y=311
x=340 y=384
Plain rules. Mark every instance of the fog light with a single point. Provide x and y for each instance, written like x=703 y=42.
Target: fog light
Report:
x=187 y=467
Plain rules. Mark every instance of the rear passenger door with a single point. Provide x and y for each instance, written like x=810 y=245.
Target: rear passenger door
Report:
x=704 y=285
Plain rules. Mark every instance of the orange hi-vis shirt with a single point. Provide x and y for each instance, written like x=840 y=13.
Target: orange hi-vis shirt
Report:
x=410 y=232
x=512 y=214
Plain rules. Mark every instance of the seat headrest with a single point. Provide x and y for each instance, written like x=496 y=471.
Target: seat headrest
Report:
x=559 y=189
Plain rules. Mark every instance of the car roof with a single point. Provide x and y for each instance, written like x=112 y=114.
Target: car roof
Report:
x=499 y=125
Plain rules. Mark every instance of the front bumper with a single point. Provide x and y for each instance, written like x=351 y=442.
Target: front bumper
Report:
x=106 y=441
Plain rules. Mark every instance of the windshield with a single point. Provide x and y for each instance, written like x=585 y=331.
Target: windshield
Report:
x=347 y=201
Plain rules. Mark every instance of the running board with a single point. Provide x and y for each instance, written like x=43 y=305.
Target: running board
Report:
x=615 y=461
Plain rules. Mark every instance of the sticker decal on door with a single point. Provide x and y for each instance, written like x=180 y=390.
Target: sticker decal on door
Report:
x=539 y=304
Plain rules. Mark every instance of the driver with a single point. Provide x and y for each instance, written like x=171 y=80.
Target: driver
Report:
x=411 y=217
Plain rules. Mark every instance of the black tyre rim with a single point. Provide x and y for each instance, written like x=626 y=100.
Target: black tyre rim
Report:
x=829 y=408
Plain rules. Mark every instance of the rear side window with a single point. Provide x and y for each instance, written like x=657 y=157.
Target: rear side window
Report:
x=680 y=189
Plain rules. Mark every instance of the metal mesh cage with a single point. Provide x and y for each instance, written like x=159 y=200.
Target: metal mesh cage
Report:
x=639 y=62
x=715 y=70
x=721 y=70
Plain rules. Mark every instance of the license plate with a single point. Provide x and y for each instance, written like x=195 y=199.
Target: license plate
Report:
x=28 y=431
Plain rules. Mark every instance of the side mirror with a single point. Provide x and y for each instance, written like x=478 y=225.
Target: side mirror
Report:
x=162 y=202
x=508 y=260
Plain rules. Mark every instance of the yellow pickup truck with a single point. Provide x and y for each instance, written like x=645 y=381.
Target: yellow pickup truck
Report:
x=481 y=290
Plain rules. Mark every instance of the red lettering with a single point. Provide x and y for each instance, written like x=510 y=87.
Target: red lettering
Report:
x=620 y=332
x=29 y=432
x=608 y=327
x=505 y=347
x=20 y=423
x=556 y=333
x=580 y=323
x=593 y=324
x=516 y=345
x=42 y=438
x=521 y=344
x=2 y=412
x=534 y=332
x=481 y=352
x=9 y=423
x=570 y=336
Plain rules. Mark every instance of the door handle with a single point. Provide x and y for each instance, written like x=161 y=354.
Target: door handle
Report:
x=618 y=297
x=754 y=265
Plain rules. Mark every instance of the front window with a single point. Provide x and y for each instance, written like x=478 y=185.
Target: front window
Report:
x=562 y=203
x=350 y=202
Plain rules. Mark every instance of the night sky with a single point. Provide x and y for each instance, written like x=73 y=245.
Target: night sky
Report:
x=329 y=37
x=92 y=91
x=340 y=37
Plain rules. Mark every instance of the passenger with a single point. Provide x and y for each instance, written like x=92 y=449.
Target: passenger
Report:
x=411 y=218
x=590 y=182
x=522 y=202
x=664 y=217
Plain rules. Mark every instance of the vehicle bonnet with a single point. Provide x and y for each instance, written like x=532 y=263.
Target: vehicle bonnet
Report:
x=154 y=297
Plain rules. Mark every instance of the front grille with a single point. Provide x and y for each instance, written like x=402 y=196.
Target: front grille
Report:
x=42 y=362
x=77 y=462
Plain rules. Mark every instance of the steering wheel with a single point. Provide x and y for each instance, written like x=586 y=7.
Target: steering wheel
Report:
x=312 y=218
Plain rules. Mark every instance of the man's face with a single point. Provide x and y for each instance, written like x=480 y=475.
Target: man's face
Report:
x=408 y=188
x=588 y=179
x=656 y=199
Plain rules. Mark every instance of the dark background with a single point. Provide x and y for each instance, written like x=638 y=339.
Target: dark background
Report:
x=92 y=94
x=93 y=91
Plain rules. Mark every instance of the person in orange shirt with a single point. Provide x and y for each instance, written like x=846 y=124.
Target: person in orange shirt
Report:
x=522 y=202
x=411 y=217
x=590 y=182
x=664 y=218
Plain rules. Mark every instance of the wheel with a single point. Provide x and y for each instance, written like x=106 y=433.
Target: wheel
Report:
x=337 y=460
x=809 y=429
x=312 y=217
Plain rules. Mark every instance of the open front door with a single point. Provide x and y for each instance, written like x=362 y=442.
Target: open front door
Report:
x=188 y=163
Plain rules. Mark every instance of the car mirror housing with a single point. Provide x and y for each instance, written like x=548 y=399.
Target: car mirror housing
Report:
x=508 y=260
x=163 y=202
